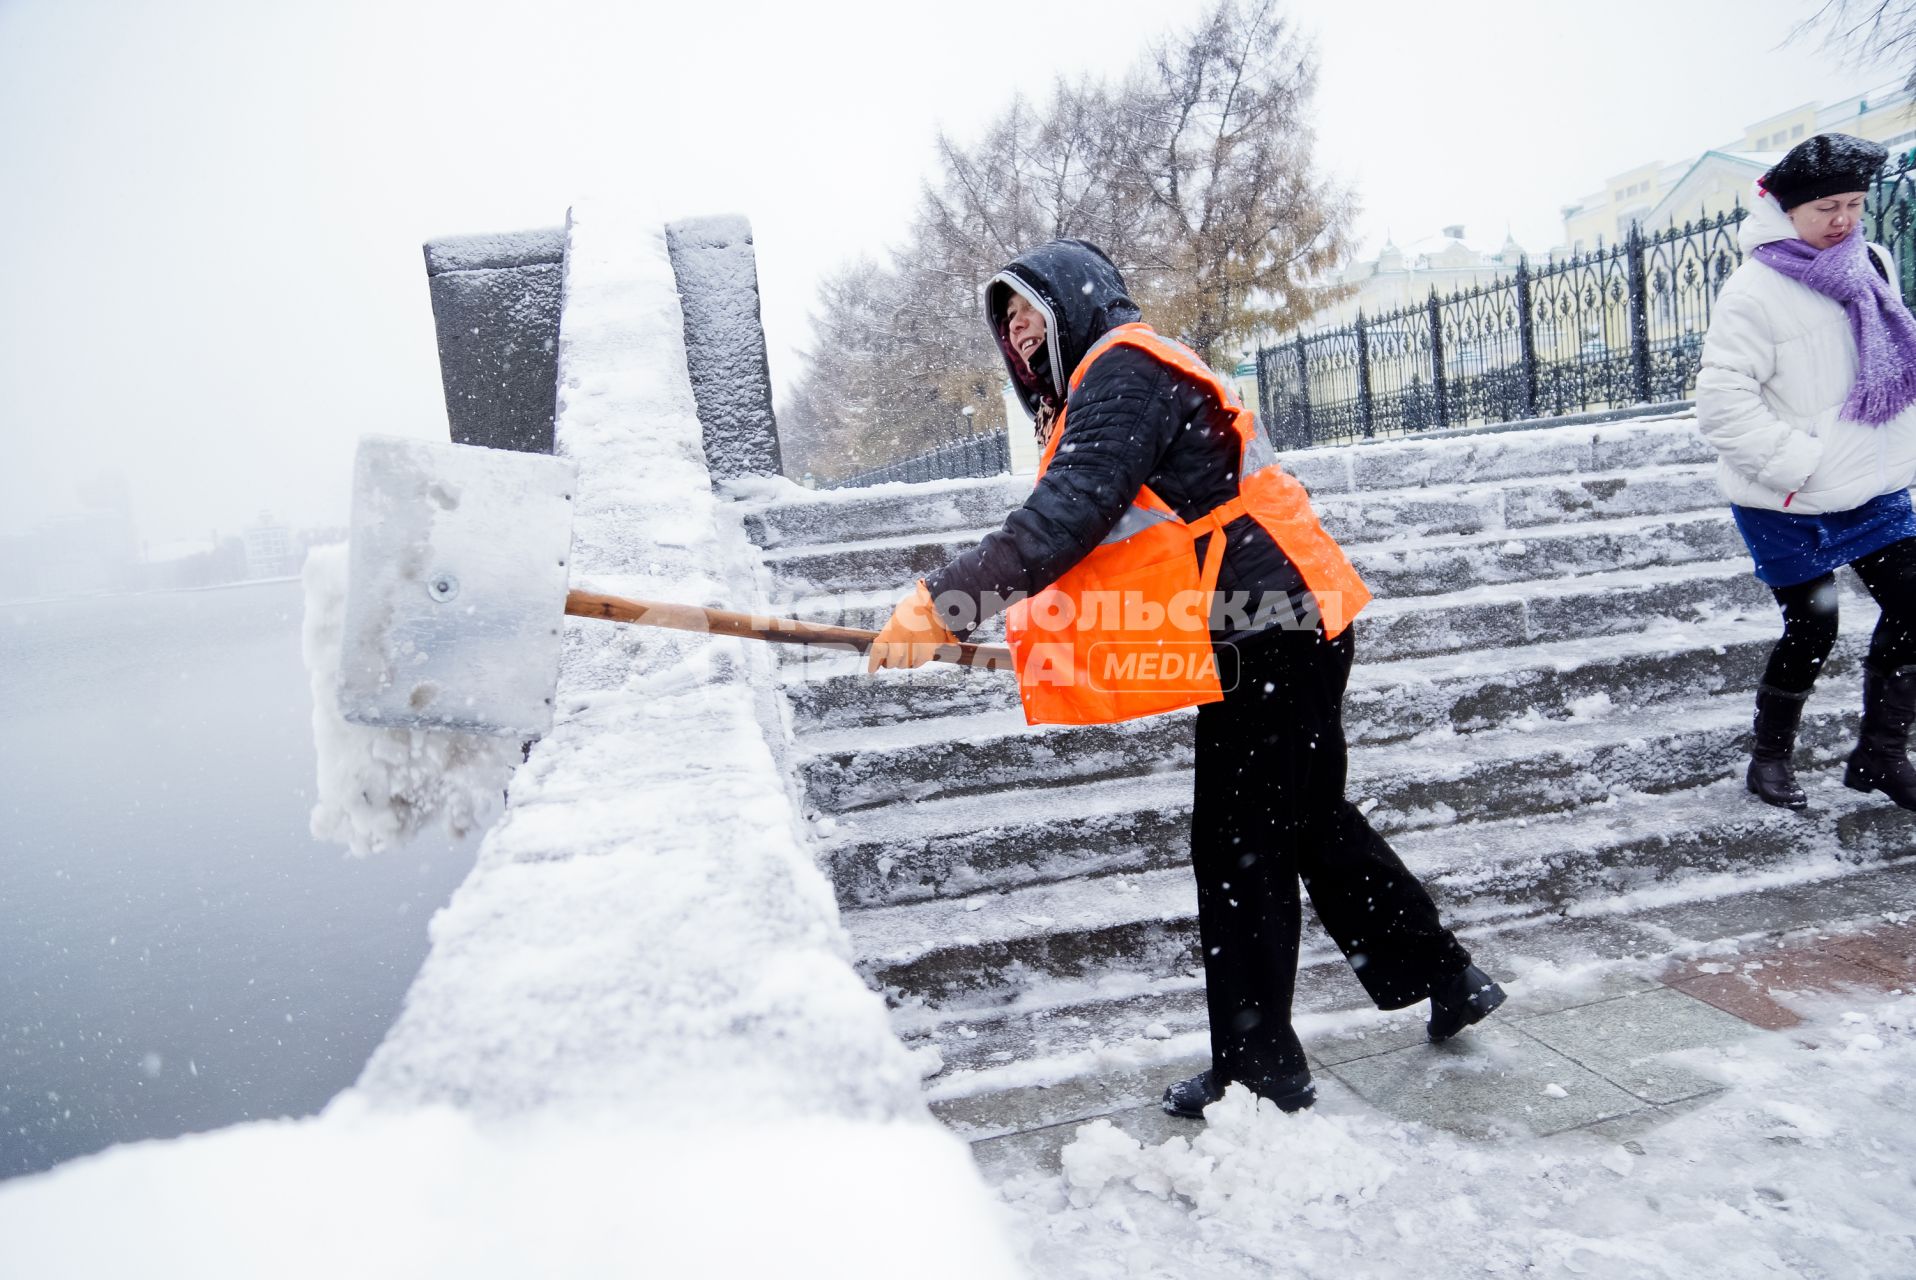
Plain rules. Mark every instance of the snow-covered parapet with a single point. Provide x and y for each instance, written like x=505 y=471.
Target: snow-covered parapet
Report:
x=725 y=343
x=495 y=302
x=638 y=1046
x=496 y=299
x=646 y=923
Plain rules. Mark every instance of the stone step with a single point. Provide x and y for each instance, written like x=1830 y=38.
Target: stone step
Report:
x=938 y=752
x=850 y=515
x=1416 y=566
x=1141 y=928
x=877 y=565
x=1495 y=456
x=829 y=691
x=1471 y=506
x=962 y=846
x=1549 y=717
x=855 y=514
x=1555 y=454
x=1005 y=1071
x=1432 y=566
x=1499 y=601
x=1388 y=515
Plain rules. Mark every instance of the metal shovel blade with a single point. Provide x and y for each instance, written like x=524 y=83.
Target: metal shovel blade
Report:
x=456 y=585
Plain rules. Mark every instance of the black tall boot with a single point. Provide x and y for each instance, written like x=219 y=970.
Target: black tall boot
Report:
x=1770 y=778
x=1881 y=761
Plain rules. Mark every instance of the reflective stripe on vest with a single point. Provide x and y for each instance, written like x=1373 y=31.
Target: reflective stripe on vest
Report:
x=1126 y=631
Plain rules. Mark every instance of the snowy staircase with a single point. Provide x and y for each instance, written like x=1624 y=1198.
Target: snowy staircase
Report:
x=1550 y=708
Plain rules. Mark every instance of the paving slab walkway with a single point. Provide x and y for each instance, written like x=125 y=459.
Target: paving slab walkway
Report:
x=1616 y=1053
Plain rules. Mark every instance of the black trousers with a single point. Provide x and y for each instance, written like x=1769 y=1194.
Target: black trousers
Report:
x=1809 y=619
x=1269 y=811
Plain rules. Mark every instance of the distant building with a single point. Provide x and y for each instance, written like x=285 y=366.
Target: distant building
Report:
x=1404 y=276
x=269 y=548
x=1657 y=195
x=1397 y=278
x=194 y=562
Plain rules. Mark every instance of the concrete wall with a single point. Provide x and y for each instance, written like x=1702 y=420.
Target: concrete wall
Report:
x=717 y=273
x=495 y=302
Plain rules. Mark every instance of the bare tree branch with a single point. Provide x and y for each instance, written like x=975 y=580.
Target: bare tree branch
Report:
x=1868 y=33
x=1196 y=173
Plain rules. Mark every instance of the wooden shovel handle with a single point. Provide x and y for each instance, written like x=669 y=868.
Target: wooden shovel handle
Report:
x=723 y=622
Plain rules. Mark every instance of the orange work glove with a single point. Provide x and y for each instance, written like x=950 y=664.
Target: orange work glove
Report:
x=912 y=635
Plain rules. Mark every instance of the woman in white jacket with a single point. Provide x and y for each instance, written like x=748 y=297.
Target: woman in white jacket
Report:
x=1806 y=391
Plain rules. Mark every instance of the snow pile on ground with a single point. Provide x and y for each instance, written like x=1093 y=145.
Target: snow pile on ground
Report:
x=1802 y=1167
x=1244 y=1161
x=431 y=1192
x=379 y=787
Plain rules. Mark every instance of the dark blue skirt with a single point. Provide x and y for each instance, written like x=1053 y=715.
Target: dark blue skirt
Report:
x=1791 y=549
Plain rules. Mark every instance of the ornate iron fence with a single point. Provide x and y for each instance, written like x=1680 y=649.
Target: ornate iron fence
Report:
x=1619 y=326
x=983 y=454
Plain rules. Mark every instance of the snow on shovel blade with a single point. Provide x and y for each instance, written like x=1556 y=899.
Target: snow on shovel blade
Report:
x=456 y=585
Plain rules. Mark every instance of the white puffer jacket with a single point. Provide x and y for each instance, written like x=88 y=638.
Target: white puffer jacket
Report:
x=1778 y=363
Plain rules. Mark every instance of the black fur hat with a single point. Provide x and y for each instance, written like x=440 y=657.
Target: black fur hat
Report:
x=1826 y=165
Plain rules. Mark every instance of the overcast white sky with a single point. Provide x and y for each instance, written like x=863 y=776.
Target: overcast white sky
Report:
x=211 y=210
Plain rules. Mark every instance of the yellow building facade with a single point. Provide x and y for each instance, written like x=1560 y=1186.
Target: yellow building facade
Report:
x=1656 y=196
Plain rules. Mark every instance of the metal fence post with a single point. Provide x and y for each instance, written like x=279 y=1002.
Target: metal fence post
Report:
x=1436 y=311
x=1526 y=340
x=1363 y=378
x=1639 y=316
x=1303 y=434
x=1266 y=401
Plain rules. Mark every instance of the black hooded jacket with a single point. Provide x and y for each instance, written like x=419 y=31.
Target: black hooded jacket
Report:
x=1132 y=421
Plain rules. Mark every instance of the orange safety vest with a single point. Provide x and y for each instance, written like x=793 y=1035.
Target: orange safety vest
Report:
x=1126 y=631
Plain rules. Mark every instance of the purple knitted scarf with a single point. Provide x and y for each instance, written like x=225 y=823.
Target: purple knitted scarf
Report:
x=1884 y=330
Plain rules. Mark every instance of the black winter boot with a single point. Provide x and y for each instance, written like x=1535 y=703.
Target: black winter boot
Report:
x=1771 y=778
x=1458 y=1002
x=1188 y=1098
x=1881 y=761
